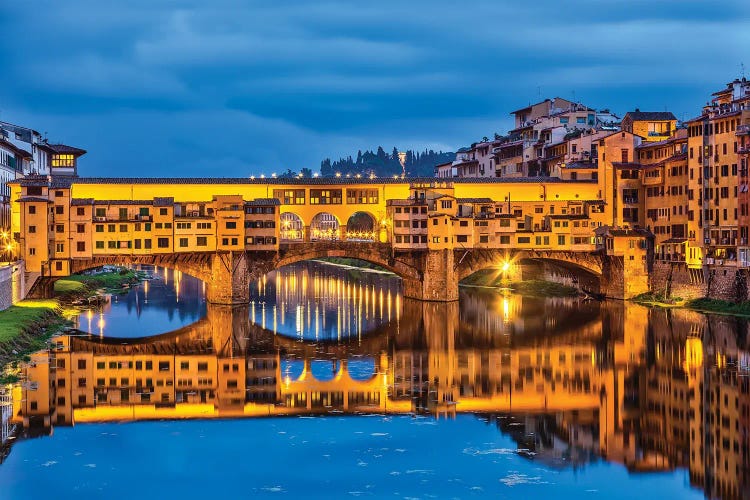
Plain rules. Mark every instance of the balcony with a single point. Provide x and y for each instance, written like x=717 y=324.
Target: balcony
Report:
x=630 y=199
x=743 y=130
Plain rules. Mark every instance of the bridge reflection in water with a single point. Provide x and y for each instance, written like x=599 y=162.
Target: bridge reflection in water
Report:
x=653 y=390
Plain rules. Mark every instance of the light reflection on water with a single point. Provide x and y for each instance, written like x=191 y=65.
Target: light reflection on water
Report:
x=316 y=301
x=167 y=301
x=512 y=396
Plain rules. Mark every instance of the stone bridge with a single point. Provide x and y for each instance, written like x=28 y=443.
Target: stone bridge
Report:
x=431 y=275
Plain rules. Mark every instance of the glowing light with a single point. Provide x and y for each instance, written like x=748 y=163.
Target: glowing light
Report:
x=506 y=266
x=338 y=174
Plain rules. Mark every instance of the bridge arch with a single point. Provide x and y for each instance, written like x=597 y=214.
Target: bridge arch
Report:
x=292 y=227
x=362 y=226
x=375 y=253
x=325 y=226
x=588 y=267
x=197 y=265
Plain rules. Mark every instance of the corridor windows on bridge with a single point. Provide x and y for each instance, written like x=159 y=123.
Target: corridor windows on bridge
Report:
x=363 y=197
x=325 y=196
x=290 y=196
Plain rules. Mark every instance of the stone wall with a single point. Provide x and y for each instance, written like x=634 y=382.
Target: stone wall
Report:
x=676 y=280
x=727 y=283
x=11 y=284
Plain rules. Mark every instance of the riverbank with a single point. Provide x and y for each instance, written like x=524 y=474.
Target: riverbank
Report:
x=112 y=281
x=490 y=278
x=26 y=326
x=704 y=305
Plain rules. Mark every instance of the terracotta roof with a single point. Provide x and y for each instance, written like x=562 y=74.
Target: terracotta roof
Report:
x=263 y=201
x=582 y=164
x=79 y=202
x=474 y=200
x=303 y=182
x=650 y=115
x=62 y=149
x=34 y=198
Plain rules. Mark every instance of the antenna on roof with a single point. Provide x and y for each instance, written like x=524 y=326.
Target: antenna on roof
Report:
x=742 y=67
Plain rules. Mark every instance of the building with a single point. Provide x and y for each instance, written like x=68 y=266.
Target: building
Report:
x=650 y=125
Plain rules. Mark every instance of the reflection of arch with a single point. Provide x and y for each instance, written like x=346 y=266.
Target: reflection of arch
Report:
x=361 y=226
x=324 y=226
x=292 y=227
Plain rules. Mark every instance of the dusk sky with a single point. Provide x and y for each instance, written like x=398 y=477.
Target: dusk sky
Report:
x=234 y=88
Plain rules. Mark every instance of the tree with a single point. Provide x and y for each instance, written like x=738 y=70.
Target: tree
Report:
x=306 y=172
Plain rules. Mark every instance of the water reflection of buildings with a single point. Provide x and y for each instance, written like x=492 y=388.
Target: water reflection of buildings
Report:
x=652 y=390
x=324 y=302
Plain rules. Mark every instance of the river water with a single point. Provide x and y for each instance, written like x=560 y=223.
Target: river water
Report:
x=330 y=383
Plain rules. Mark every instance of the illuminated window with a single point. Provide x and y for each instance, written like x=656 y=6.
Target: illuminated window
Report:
x=63 y=161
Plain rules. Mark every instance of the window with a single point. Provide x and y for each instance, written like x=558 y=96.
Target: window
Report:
x=59 y=228
x=61 y=160
x=99 y=245
x=80 y=228
x=32 y=209
x=162 y=211
x=446 y=204
x=505 y=239
x=290 y=196
x=183 y=225
x=110 y=228
x=123 y=228
x=183 y=242
x=363 y=196
x=561 y=239
x=202 y=367
x=59 y=209
x=202 y=241
x=162 y=242
x=32 y=229
x=59 y=247
x=99 y=228
x=325 y=196
x=231 y=225
x=147 y=244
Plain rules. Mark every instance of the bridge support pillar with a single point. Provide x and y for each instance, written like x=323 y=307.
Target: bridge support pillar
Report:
x=230 y=279
x=439 y=279
x=623 y=279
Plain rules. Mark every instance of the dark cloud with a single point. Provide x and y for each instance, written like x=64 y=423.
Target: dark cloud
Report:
x=231 y=87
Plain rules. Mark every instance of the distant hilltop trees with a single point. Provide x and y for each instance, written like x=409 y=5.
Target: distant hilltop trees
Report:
x=382 y=164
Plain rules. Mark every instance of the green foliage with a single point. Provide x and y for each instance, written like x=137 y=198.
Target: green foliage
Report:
x=493 y=278
x=382 y=164
x=112 y=280
x=720 y=306
x=23 y=315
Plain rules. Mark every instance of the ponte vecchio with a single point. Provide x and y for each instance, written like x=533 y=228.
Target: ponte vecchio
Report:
x=228 y=231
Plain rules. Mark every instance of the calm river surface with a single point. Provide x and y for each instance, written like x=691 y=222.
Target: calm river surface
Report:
x=330 y=384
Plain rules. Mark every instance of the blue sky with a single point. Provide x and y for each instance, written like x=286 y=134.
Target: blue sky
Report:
x=233 y=88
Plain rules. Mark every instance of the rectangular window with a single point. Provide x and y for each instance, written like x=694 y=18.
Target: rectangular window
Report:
x=59 y=209
x=81 y=246
x=325 y=196
x=202 y=241
x=231 y=225
x=162 y=242
x=99 y=245
x=147 y=244
x=290 y=196
x=183 y=242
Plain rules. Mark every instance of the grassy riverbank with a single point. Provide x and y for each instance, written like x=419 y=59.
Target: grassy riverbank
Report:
x=25 y=327
x=490 y=278
x=705 y=305
x=345 y=261
x=111 y=281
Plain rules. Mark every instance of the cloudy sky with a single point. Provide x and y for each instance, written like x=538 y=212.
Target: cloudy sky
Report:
x=233 y=88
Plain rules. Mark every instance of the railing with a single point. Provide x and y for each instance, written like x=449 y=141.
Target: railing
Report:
x=743 y=129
